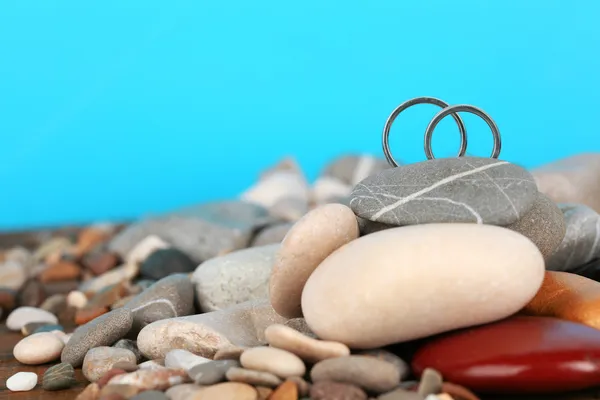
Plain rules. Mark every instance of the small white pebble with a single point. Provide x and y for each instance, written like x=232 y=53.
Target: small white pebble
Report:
x=144 y=248
x=22 y=382
x=77 y=299
x=21 y=316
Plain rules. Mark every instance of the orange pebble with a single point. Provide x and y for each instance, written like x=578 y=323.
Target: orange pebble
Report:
x=567 y=296
x=286 y=391
x=61 y=271
x=89 y=238
x=85 y=315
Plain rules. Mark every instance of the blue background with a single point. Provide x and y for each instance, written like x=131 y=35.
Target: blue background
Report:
x=113 y=109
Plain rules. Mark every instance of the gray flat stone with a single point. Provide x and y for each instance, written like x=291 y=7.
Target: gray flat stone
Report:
x=102 y=331
x=581 y=243
x=465 y=189
x=202 y=232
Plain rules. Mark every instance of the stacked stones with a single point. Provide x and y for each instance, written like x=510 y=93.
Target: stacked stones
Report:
x=384 y=278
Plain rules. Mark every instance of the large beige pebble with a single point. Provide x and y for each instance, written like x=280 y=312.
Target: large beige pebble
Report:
x=38 y=348
x=411 y=282
x=226 y=391
x=276 y=361
x=307 y=348
x=314 y=237
x=21 y=316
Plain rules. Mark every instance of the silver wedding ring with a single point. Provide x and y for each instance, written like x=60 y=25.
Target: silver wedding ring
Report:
x=446 y=110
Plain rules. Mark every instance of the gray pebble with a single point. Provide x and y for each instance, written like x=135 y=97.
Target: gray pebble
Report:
x=59 y=377
x=462 y=190
x=164 y=262
x=400 y=394
x=212 y=372
x=272 y=234
x=581 y=243
x=170 y=297
x=544 y=225
x=150 y=395
x=102 y=331
x=431 y=382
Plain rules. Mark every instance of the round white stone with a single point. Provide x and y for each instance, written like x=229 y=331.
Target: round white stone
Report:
x=22 y=382
x=38 y=348
x=21 y=316
x=411 y=282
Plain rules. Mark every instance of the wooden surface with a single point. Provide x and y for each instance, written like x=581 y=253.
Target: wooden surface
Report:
x=9 y=366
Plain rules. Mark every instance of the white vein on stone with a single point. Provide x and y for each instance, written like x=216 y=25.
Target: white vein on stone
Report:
x=157 y=301
x=437 y=184
x=501 y=191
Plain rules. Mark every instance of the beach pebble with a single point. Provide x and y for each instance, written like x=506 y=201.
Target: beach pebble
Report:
x=51 y=328
x=581 y=242
x=91 y=392
x=150 y=395
x=252 y=377
x=384 y=355
x=330 y=390
x=31 y=327
x=544 y=224
x=289 y=208
x=234 y=278
x=272 y=234
x=353 y=168
x=164 y=262
x=307 y=348
x=573 y=179
x=211 y=372
x=369 y=373
x=59 y=377
x=151 y=364
x=22 y=316
x=402 y=394
x=118 y=392
x=327 y=189
x=148 y=379
x=112 y=277
x=101 y=359
x=414 y=289
x=170 y=297
x=229 y=352
x=76 y=299
x=286 y=391
x=22 y=382
x=182 y=392
x=430 y=383
x=55 y=303
x=542 y=349
x=100 y=261
x=459 y=189
x=318 y=234
x=59 y=272
x=144 y=248
x=276 y=361
x=102 y=331
x=202 y=232
x=12 y=274
x=227 y=391
x=183 y=359
x=38 y=348
x=203 y=334
x=131 y=346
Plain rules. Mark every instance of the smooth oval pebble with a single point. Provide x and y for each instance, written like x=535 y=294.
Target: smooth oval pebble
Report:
x=59 y=377
x=409 y=276
x=38 y=348
x=22 y=316
x=314 y=237
x=100 y=360
x=148 y=379
x=251 y=377
x=182 y=392
x=21 y=382
x=446 y=190
x=227 y=391
x=307 y=348
x=516 y=355
x=77 y=299
x=367 y=372
x=211 y=372
x=276 y=361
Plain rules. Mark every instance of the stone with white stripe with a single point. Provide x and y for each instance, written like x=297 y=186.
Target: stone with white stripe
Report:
x=170 y=297
x=465 y=190
x=581 y=243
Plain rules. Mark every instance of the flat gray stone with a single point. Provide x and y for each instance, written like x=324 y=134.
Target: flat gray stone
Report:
x=211 y=372
x=102 y=331
x=462 y=190
x=234 y=278
x=581 y=243
x=170 y=297
x=544 y=224
x=202 y=232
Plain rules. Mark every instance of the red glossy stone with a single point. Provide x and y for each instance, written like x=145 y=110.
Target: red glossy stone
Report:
x=516 y=355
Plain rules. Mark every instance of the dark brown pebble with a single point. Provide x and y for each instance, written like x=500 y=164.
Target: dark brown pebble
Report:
x=32 y=294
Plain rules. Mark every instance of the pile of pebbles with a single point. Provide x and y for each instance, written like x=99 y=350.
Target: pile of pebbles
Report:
x=446 y=279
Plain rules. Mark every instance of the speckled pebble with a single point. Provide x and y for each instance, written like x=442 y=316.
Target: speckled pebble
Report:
x=59 y=377
x=276 y=361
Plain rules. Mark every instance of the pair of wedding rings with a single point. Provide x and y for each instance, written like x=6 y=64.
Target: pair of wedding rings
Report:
x=446 y=110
